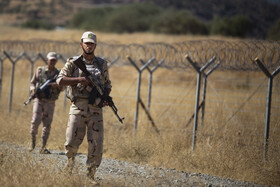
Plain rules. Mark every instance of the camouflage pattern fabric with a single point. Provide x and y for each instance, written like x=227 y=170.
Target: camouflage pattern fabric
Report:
x=42 y=112
x=71 y=70
x=41 y=75
x=84 y=117
x=90 y=120
x=43 y=108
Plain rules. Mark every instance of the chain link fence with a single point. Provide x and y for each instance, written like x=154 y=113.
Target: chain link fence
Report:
x=237 y=93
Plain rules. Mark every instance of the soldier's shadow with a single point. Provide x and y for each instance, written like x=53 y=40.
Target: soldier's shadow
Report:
x=62 y=153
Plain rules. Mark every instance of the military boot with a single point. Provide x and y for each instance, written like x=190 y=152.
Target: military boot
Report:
x=70 y=165
x=90 y=174
x=44 y=150
x=33 y=143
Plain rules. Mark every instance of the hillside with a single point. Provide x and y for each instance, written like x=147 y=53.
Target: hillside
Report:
x=262 y=13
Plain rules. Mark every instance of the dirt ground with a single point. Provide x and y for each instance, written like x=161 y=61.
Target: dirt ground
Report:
x=120 y=173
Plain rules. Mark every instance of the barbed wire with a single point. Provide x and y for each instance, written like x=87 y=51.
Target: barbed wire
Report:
x=234 y=55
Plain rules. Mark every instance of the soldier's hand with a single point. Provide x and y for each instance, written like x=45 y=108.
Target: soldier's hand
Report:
x=105 y=103
x=32 y=92
x=84 y=81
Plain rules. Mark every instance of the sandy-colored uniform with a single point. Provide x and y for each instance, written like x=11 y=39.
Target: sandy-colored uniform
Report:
x=43 y=107
x=84 y=116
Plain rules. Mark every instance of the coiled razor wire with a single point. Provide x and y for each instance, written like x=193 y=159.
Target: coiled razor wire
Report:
x=234 y=55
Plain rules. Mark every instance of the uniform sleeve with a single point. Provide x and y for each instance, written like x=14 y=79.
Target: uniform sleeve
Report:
x=35 y=79
x=107 y=82
x=66 y=71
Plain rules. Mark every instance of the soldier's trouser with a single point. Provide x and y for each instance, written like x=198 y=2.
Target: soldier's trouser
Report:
x=42 y=112
x=77 y=125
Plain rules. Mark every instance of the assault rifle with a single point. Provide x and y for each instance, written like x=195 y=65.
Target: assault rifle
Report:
x=104 y=94
x=40 y=89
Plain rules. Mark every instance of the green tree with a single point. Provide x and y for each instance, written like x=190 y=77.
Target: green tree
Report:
x=37 y=24
x=238 y=26
x=132 y=18
x=173 y=22
x=3 y=4
x=91 y=18
x=126 y=18
x=274 y=31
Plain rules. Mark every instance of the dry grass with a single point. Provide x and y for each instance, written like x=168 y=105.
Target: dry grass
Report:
x=12 y=33
x=225 y=152
x=20 y=168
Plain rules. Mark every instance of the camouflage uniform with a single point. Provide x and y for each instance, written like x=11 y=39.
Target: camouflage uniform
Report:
x=83 y=115
x=43 y=105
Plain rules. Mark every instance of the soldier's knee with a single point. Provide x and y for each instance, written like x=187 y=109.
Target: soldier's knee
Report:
x=33 y=133
x=47 y=121
x=46 y=130
x=36 y=117
x=35 y=121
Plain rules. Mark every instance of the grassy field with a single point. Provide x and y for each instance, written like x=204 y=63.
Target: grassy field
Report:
x=12 y=33
x=223 y=147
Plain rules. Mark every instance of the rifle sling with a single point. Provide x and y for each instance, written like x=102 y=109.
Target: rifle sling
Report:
x=79 y=63
x=94 y=93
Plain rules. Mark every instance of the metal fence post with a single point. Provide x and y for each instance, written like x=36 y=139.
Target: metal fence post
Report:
x=151 y=81
x=32 y=62
x=113 y=61
x=196 y=110
x=138 y=99
x=43 y=58
x=268 y=102
x=1 y=74
x=203 y=102
x=200 y=71
x=12 y=77
x=64 y=93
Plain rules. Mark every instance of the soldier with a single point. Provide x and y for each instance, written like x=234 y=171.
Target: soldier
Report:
x=85 y=114
x=44 y=103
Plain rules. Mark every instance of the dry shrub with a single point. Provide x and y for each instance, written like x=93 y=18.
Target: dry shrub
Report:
x=227 y=158
x=222 y=148
x=20 y=167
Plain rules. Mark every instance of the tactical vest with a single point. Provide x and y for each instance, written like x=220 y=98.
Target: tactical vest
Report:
x=50 y=92
x=79 y=91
